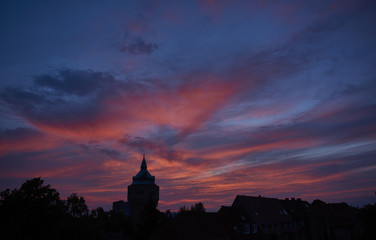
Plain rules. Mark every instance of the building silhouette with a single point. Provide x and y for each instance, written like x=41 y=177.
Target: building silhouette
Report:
x=142 y=191
x=121 y=207
x=261 y=216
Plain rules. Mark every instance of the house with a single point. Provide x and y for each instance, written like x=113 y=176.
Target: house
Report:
x=333 y=221
x=264 y=218
x=300 y=211
x=236 y=224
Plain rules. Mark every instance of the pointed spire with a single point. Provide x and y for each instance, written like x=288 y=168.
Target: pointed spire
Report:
x=143 y=164
x=143 y=176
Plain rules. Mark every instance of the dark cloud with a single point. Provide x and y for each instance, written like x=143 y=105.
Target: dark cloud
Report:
x=110 y=152
x=9 y=135
x=144 y=145
x=16 y=162
x=139 y=143
x=138 y=46
x=55 y=88
x=75 y=82
x=66 y=97
x=196 y=161
x=34 y=162
x=24 y=100
x=367 y=88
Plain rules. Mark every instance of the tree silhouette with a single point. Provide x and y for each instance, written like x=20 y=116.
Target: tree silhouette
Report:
x=196 y=210
x=98 y=213
x=76 y=206
x=183 y=211
x=151 y=219
x=33 y=211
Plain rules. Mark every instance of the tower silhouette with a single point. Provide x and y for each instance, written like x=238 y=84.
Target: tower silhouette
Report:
x=142 y=191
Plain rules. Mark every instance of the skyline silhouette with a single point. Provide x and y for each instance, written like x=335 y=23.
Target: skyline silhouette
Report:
x=225 y=98
x=35 y=210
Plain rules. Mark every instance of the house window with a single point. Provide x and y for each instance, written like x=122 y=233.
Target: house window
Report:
x=274 y=226
x=246 y=229
x=254 y=228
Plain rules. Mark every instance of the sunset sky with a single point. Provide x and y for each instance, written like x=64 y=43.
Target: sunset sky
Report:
x=271 y=98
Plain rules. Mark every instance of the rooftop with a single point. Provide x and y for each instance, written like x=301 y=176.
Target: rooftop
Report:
x=143 y=176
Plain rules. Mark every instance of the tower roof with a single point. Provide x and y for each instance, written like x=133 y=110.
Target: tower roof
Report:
x=143 y=164
x=143 y=176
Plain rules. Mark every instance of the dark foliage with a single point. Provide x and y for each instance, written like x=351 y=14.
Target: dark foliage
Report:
x=76 y=206
x=196 y=210
x=151 y=219
x=35 y=211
